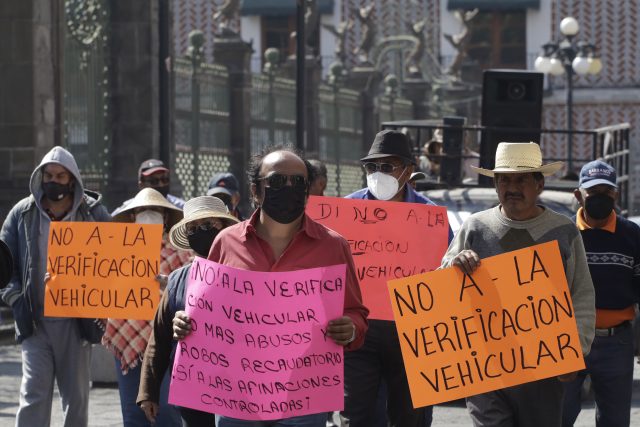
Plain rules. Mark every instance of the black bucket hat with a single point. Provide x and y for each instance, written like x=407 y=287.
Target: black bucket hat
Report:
x=6 y=264
x=390 y=143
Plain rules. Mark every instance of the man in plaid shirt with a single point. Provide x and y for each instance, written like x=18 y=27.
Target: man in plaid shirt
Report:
x=126 y=338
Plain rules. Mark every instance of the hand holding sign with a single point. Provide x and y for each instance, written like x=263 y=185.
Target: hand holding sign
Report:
x=181 y=325
x=341 y=330
x=467 y=261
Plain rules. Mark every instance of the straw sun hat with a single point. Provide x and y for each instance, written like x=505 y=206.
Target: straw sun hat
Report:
x=519 y=157
x=199 y=208
x=148 y=197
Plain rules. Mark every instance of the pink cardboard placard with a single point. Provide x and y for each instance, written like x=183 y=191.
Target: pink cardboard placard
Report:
x=258 y=349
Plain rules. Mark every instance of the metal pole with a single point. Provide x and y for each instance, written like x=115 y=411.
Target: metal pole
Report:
x=300 y=59
x=196 y=41
x=195 y=122
x=336 y=136
x=569 y=70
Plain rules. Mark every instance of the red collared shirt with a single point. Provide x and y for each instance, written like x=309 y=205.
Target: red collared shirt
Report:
x=314 y=245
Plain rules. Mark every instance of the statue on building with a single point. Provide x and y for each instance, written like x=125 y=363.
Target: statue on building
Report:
x=225 y=16
x=416 y=54
x=368 y=32
x=341 y=38
x=311 y=21
x=460 y=41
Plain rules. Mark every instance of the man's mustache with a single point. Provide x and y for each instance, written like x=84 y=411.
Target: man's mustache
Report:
x=509 y=194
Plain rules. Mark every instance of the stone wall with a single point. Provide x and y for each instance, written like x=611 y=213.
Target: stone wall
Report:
x=28 y=93
x=135 y=68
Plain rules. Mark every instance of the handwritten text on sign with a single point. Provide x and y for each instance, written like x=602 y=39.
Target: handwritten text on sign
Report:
x=103 y=270
x=259 y=350
x=388 y=241
x=509 y=323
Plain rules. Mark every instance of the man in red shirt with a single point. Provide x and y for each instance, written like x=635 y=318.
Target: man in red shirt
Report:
x=280 y=237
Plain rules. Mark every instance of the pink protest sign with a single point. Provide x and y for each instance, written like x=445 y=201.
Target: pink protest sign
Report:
x=258 y=349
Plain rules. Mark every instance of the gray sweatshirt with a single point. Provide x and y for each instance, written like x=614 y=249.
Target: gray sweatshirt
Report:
x=490 y=233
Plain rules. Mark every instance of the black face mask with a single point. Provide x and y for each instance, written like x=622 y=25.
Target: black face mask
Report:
x=284 y=205
x=55 y=191
x=201 y=241
x=598 y=206
x=164 y=190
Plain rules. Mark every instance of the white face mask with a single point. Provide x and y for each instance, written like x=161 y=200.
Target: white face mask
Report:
x=382 y=186
x=149 y=217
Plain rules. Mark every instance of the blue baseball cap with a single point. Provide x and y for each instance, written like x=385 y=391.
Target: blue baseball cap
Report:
x=597 y=172
x=223 y=183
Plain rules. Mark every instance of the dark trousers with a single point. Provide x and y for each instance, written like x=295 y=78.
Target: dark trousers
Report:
x=610 y=365
x=132 y=414
x=533 y=404
x=379 y=359
x=194 y=418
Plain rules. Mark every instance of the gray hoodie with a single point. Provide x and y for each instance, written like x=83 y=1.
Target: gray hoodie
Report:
x=26 y=230
x=62 y=157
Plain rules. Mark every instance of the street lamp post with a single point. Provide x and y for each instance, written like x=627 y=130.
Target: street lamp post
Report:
x=569 y=56
x=195 y=53
x=336 y=76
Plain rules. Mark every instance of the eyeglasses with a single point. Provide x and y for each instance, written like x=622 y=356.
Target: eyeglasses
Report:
x=277 y=181
x=387 y=168
x=161 y=180
x=207 y=226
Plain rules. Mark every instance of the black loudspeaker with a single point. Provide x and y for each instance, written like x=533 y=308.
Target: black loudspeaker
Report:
x=510 y=99
x=452 y=145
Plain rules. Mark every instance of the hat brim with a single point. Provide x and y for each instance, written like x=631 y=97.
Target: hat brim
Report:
x=219 y=190
x=382 y=155
x=594 y=182
x=175 y=214
x=6 y=264
x=154 y=170
x=417 y=175
x=545 y=170
x=178 y=233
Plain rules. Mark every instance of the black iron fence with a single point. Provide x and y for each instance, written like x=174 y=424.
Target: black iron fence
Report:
x=195 y=161
x=271 y=119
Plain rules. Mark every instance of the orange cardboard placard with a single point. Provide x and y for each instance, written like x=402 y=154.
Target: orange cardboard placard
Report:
x=509 y=323
x=388 y=240
x=103 y=269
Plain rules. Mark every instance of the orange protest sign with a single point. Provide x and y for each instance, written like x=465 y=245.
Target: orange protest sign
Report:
x=388 y=240
x=103 y=270
x=509 y=323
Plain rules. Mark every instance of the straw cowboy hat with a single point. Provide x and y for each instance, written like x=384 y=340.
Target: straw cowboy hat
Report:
x=147 y=198
x=199 y=208
x=519 y=157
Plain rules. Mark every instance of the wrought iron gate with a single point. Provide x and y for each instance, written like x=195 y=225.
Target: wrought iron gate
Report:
x=85 y=88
